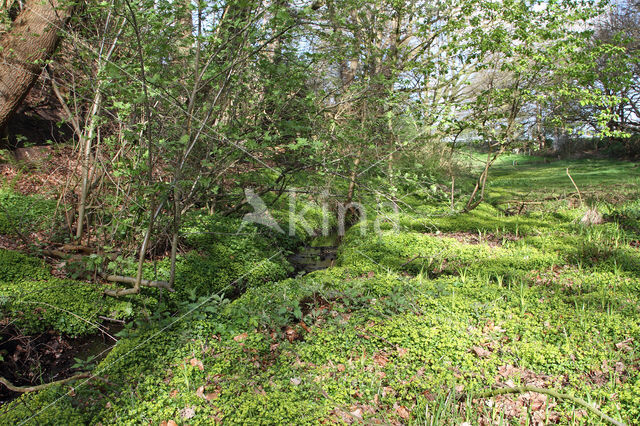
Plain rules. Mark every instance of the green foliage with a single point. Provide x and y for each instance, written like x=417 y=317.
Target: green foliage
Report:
x=227 y=256
x=60 y=408
x=68 y=307
x=15 y=267
x=630 y=397
x=435 y=304
x=36 y=301
x=24 y=213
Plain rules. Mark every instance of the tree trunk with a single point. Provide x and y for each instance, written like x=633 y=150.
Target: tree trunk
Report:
x=25 y=48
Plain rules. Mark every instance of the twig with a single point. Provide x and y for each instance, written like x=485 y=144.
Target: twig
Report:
x=453 y=188
x=550 y=392
x=117 y=321
x=411 y=260
x=576 y=187
x=24 y=389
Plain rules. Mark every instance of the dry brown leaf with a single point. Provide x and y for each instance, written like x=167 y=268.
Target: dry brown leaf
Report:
x=429 y=396
x=187 y=413
x=291 y=334
x=200 y=392
x=380 y=359
x=240 y=337
x=624 y=345
x=402 y=412
x=357 y=413
x=196 y=363
x=306 y=328
x=506 y=370
x=481 y=352
x=213 y=395
x=344 y=416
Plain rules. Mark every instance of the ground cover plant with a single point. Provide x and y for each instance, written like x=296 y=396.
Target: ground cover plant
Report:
x=320 y=211
x=411 y=325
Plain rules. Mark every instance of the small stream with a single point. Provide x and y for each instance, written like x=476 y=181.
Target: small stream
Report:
x=320 y=254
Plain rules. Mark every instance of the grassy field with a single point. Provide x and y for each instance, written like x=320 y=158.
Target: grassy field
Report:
x=411 y=326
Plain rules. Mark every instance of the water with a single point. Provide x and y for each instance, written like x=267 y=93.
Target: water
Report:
x=320 y=254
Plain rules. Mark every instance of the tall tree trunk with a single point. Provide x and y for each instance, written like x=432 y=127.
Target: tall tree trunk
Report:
x=25 y=48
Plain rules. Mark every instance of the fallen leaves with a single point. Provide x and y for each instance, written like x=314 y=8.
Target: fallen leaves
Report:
x=196 y=363
x=402 y=352
x=187 y=413
x=306 y=328
x=212 y=395
x=538 y=405
x=625 y=345
x=240 y=337
x=200 y=392
x=381 y=359
x=481 y=352
x=402 y=412
x=291 y=334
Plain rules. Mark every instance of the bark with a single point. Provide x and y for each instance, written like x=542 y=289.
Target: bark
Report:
x=24 y=50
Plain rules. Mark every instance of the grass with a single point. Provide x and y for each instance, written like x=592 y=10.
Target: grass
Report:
x=408 y=326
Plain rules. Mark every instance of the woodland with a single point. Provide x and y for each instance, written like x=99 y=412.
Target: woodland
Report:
x=311 y=212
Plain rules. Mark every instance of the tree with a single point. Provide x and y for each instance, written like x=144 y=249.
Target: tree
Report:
x=26 y=47
x=615 y=71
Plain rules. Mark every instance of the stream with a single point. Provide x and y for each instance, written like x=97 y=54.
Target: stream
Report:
x=320 y=254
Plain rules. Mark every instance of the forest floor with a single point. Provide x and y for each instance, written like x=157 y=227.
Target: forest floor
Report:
x=411 y=324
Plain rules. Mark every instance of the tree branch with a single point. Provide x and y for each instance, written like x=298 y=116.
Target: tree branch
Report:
x=24 y=389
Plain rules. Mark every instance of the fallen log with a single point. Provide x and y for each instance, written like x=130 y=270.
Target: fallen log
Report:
x=144 y=283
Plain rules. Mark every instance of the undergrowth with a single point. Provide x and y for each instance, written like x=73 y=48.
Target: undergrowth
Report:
x=410 y=324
